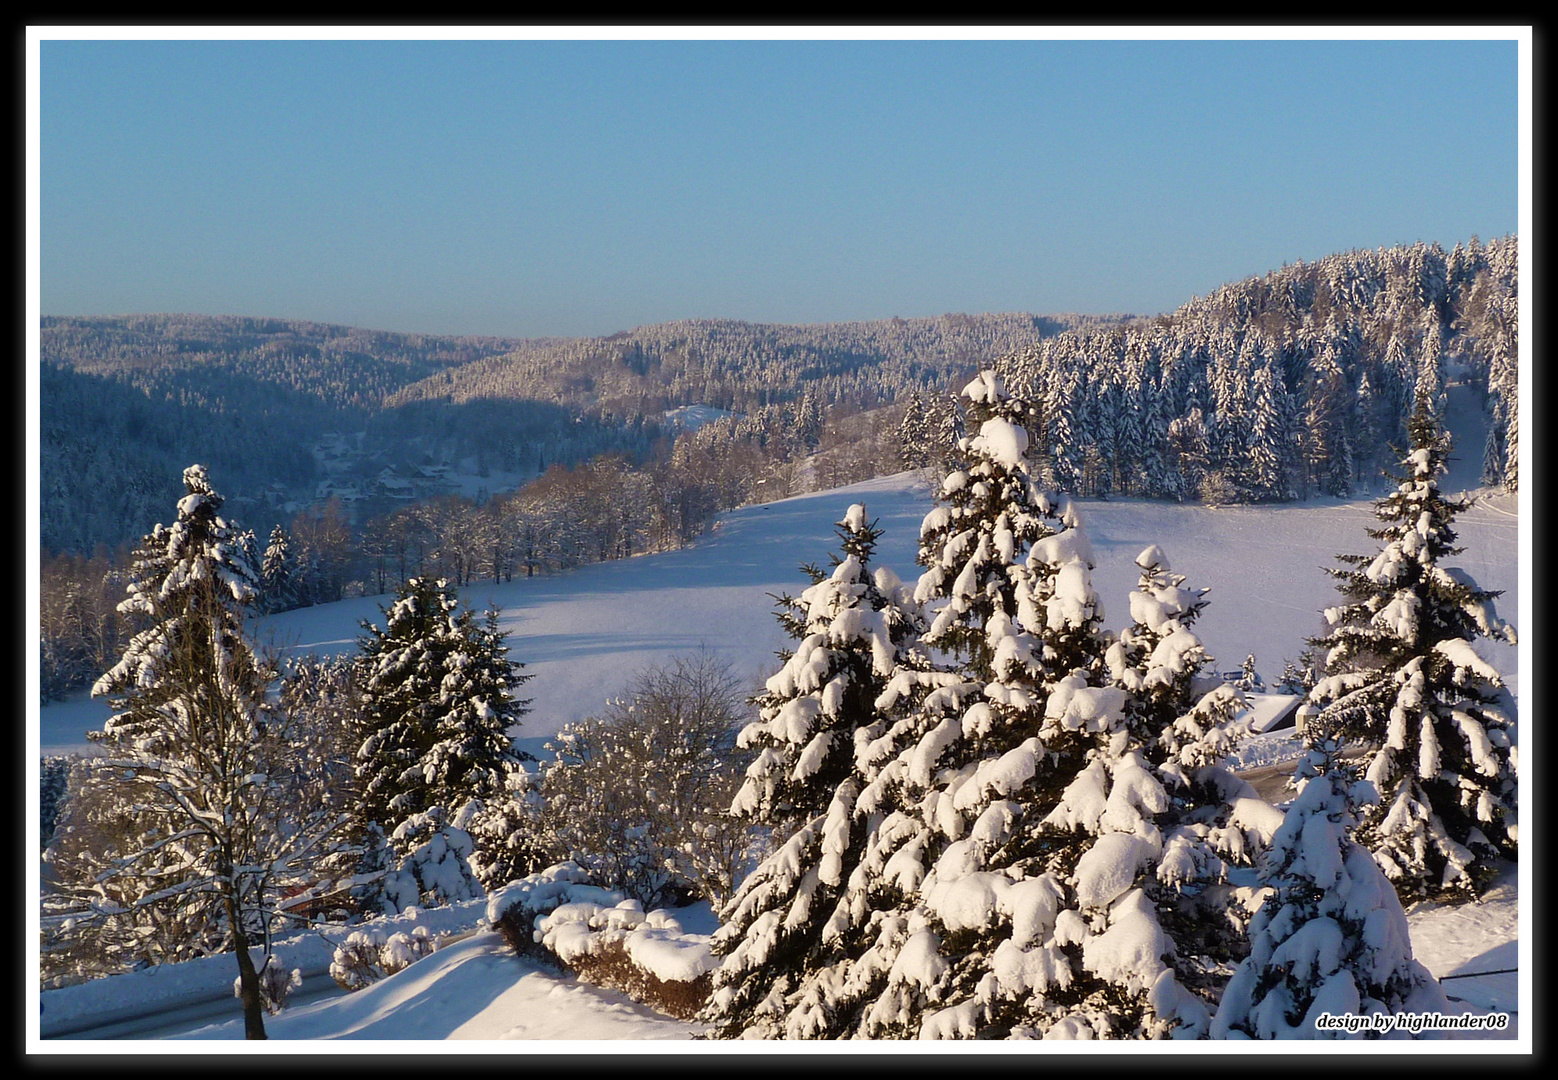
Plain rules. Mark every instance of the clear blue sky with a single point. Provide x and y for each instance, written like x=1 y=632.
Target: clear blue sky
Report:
x=580 y=188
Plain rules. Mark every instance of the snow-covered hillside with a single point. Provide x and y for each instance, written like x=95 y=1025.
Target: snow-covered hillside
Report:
x=584 y=633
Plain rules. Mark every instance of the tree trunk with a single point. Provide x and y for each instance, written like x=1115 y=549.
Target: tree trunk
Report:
x=248 y=978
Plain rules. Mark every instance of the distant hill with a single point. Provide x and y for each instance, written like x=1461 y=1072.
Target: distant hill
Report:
x=128 y=401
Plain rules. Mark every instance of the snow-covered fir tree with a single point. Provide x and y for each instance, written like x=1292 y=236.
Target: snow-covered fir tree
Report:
x=195 y=752
x=438 y=689
x=1402 y=678
x=1428 y=390
x=1331 y=937
x=1027 y=816
x=915 y=443
x=276 y=573
x=1249 y=679
x=854 y=628
x=508 y=831
x=973 y=546
x=1054 y=825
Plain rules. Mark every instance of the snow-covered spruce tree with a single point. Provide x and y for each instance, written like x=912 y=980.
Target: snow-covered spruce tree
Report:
x=914 y=433
x=854 y=628
x=1249 y=678
x=1017 y=802
x=972 y=546
x=939 y=723
x=276 y=590
x=509 y=831
x=193 y=750
x=1068 y=852
x=1186 y=723
x=1331 y=937
x=438 y=705
x=1401 y=678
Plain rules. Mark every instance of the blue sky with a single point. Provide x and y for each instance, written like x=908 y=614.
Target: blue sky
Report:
x=528 y=188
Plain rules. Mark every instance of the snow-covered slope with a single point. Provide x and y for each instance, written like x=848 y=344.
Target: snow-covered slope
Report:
x=584 y=633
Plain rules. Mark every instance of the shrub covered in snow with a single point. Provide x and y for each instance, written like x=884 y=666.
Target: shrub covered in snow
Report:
x=558 y=916
x=401 y=949
x=367 y=955
x=434 y=866
x=276 y=983
x=515 y=908
x=356 y=963
x=638 y=795
x=645 y=955
x=509 y=831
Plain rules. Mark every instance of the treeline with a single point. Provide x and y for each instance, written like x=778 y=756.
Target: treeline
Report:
x=1274 y=388
x=741 y=366
x=608 y=507
x=127 y=400
x=1279 y=387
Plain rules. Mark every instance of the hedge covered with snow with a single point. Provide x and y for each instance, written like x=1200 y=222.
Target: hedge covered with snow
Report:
x=606 y=938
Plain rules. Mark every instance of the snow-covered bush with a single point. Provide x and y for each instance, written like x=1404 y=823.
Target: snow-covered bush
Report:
x=434 y=868
x=515 y=909
x=559 y=917
x=357 y=960
x=403 y=949
x=276 y=984
x=638 y=795
x=509 y=830
x=645 y=955
x=366 y=955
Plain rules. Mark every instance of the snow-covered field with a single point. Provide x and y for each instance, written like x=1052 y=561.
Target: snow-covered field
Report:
x=583 y=634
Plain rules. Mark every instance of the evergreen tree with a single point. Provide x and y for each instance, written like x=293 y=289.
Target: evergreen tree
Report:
x=945 y=423
x=854 y=628
x=438 y=705
x=1264 y=472
x=276 y=573
x=914 y=434
x=1249 y=679
x=973 y=545
x=1401 y=677
x=1012 y=799
x=194 y=753
x=1428 y=389
x=1332 y=936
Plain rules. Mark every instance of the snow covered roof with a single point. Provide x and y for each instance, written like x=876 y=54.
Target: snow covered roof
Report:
x=1268 y=712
